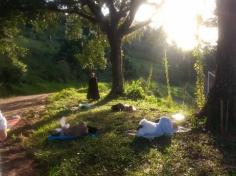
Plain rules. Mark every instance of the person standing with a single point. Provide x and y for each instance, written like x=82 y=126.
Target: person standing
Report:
x=93 y=92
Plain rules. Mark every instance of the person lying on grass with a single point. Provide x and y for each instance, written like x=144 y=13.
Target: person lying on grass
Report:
x=3 y=127
x=75 y=130
x=150 y=130
x=123 y=107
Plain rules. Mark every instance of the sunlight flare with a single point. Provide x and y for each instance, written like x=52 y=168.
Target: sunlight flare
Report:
x=145 y=13
x=180 y=21
x=178 y=117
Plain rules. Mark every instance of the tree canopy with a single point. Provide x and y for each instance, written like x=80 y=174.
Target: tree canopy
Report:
x=109 y=14
x=115 y=19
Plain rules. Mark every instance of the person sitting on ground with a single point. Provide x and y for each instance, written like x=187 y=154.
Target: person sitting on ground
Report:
x=3 y=127
x=93 y=92
x=150 y=130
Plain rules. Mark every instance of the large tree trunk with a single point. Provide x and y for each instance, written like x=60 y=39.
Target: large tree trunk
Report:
x=221 y=102
x=117 y=66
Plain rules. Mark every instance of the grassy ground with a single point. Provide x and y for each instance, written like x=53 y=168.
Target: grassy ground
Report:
x=113 y=152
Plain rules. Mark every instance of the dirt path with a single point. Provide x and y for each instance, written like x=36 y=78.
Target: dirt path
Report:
x=22 y=104
x=14 y=159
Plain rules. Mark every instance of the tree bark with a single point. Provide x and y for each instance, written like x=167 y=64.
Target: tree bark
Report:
x=221 y=102
x=117 y=66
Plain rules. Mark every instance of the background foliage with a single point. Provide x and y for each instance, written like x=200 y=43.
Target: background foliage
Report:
x=65 y=48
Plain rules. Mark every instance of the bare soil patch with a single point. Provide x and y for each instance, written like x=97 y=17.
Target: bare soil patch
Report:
x=15 y=159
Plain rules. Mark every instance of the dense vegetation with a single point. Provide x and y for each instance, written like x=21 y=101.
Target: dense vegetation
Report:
x=56 y=57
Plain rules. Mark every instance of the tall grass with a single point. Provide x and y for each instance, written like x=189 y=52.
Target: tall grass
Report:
x=166 y=68
x=199 y=90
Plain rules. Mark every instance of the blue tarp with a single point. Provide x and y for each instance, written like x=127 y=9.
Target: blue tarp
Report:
x=66 y=138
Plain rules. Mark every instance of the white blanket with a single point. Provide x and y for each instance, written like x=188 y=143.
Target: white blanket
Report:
x=151 y=130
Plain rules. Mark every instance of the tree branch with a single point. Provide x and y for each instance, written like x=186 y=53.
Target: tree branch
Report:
x=112 y=12
x=110 y=5
x=72 y=11
x=124 y=8
x=137 y=27
x=97 y=11
x=88 y=17
x=130 y=18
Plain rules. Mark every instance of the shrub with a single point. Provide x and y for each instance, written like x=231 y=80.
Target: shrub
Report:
x=135 y=90
x=65 y=93
x=103 y=87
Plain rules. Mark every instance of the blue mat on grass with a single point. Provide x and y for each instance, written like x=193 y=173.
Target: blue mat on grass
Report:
x=67 y=138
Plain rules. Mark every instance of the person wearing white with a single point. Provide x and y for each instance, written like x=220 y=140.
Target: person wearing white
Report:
x=3 y=127
x=150 y=130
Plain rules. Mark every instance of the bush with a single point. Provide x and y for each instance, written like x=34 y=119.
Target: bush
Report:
x=103 y=87
x=135 y=90
x=65 y=93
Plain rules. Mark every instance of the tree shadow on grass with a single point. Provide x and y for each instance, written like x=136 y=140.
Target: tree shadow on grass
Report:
x=162 y=143
x=199 y=152
x=140 y=144
x=109 y=153
x=227 y=145
x=105 y=100
x=39 y=123
x=27 y=125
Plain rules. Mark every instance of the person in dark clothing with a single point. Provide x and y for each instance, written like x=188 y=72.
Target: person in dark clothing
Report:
x=93 y=92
